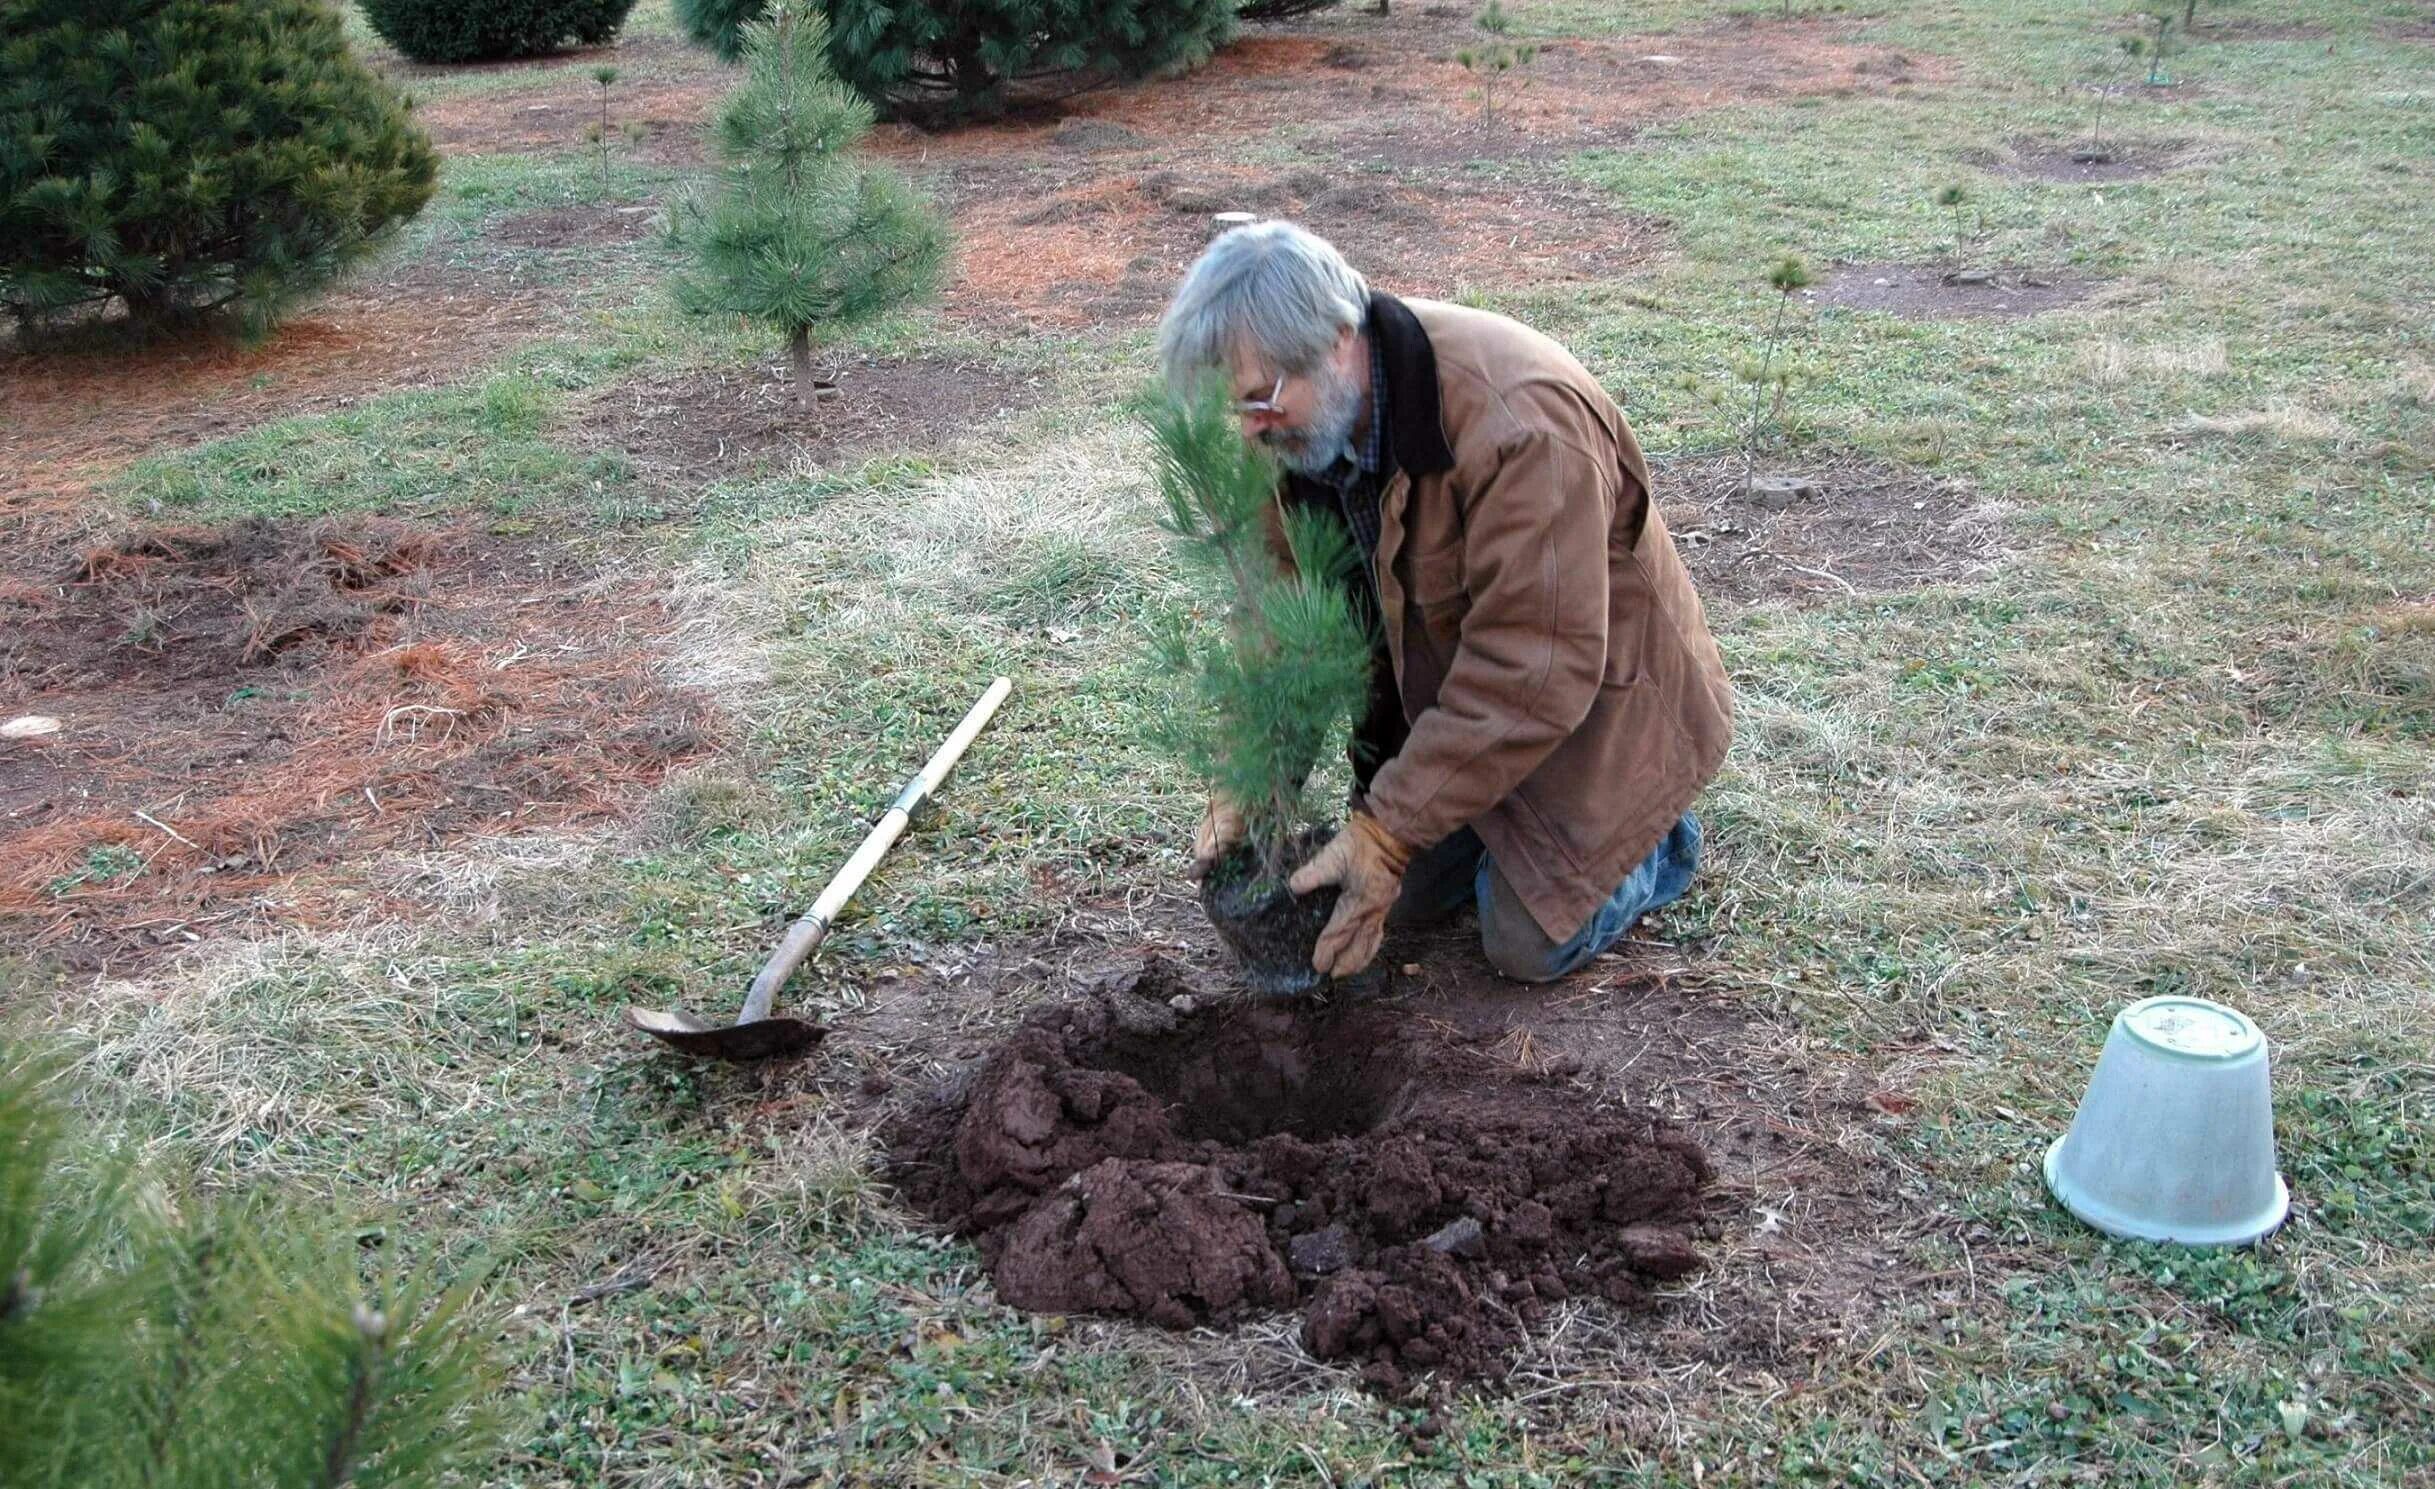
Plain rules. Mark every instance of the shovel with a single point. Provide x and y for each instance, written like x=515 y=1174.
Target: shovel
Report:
x=755 y=1035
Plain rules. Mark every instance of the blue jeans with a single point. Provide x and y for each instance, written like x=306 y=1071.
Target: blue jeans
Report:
x=1440 y=879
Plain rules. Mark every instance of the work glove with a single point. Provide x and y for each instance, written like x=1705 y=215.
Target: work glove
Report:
x=1222 y=827
x=1367 y=863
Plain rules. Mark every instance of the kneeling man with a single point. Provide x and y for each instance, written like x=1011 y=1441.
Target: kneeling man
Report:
x=1548 y=700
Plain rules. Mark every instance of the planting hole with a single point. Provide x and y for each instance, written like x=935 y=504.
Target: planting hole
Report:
x=1266 y=1069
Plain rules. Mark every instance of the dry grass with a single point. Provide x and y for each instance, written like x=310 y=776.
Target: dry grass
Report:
x=2108 y=362
x=2287 y=421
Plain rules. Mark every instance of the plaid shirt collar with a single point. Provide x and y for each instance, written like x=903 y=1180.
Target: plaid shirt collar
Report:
x=1372 y=456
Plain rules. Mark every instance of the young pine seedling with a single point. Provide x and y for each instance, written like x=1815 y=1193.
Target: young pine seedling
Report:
x=1500 y=56
x=1788 y=275
x=1953 y=199
x=604 y=76
x=2157 y=77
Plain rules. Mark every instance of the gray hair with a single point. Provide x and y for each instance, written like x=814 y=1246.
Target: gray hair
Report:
x=1282 y=288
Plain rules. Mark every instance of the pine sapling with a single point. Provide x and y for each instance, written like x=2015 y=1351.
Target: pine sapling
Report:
x=2155 y=49
x=174 y=1345
x=1953 y=199
x=804 y=235
x=1788 y=275
x=1291 y=659
x=604 y=76
x=1500 y=56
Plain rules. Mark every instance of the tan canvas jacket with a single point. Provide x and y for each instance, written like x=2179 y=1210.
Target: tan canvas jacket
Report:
x=1561 y=690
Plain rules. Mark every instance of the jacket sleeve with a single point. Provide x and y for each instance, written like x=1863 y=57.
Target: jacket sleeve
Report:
x=1532 y=647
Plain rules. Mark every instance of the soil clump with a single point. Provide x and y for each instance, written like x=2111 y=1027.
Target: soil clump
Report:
x=1421 y=1203
x=1918 y=292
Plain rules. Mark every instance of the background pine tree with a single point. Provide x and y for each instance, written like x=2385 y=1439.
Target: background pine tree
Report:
x=491 y=30
x=956 y=58
x=172 y=1342
x=803 y=234
x=1260 y=694
x=192 y=157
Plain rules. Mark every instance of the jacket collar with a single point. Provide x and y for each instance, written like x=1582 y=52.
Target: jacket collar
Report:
x=1415 y=422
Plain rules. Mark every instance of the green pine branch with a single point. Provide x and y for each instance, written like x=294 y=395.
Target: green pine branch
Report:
x=1259 y=695
x=172 y=1341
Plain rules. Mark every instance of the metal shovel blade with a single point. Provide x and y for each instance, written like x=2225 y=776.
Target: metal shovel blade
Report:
x=761 y=1039
x=757 y=1036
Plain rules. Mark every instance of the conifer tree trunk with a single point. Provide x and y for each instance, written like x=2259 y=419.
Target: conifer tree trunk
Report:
x=799 y=352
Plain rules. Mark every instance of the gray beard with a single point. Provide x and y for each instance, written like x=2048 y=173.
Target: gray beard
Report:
x=1329 y=438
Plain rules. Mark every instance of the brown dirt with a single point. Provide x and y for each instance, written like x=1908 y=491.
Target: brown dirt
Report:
x=1810 y=1239
x=684 y=429
x=2253 y=28
x=1918 y=292
x=1868 y=528
x=1088 y=211
x=554 y=115
x=1113 y=249
x=249 y=708
x=575 y=227
x=76 y=412
x=1422 y=1203
x=2044 y=160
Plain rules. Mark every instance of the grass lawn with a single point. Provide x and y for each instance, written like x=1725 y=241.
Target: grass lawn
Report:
x=2170 y=728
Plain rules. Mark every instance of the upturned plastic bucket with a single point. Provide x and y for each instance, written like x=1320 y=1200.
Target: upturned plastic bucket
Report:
x=2175 y=1139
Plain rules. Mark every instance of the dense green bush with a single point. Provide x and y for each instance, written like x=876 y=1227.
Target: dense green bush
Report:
x=489 y=30
x=189 y=157
x=956 y=58
x=719 y=24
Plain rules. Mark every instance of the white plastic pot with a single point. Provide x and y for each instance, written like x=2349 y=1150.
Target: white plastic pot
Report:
x=2175 y=1139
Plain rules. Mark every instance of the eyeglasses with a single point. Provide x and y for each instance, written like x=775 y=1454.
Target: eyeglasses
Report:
x=1267 y=405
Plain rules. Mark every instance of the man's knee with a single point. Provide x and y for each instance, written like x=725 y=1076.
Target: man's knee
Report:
x=1511 y=938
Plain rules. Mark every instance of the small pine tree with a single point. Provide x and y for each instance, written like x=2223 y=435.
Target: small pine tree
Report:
x=1787 y=275
x=804 y=235
x=192 y=1345
x=606 y=77
x=956 y=58
x=2163 y=21
x=1292 y=660
x=1953 y=198
x=1499 y=57
x=188 y=158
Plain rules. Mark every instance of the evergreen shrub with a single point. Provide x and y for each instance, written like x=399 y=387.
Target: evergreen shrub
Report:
x=493 y=30
x=191 y=157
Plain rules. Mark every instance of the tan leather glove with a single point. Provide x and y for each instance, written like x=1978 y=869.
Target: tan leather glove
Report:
x=1367 y=862
x=1222 y=827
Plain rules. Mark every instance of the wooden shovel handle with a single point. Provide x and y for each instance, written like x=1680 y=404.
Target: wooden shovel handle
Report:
x=812 y=927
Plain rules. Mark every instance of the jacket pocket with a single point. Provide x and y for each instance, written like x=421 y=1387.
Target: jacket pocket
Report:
x=1437 y=576
x=1438 y=604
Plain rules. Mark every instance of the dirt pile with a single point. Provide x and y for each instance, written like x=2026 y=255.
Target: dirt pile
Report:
x=1421 y=1201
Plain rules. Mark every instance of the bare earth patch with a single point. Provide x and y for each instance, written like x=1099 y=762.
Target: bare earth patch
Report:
x=1086 y=211
x=1920 y=292
x=75 y=414
x=1113 y=248
x=575 y=227
x=2081 y=162
x=554 y=116
x=248 y=709
x=684 y=429
x=1357 y=1113
x=1846 y=525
